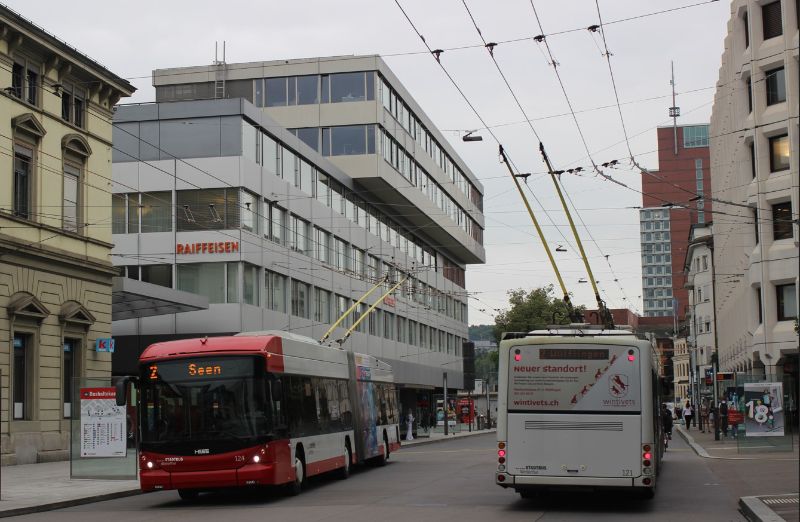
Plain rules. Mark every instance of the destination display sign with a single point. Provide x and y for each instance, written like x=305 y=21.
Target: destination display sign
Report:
x=200 y=368
x=574 y=377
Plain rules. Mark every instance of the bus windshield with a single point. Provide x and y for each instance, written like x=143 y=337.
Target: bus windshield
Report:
x=204 y=405
x=574 y=378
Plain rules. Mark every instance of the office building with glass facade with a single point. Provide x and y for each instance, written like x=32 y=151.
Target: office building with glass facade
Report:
x=282 y=230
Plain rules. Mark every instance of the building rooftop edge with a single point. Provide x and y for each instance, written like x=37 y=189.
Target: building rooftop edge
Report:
x=85 y=59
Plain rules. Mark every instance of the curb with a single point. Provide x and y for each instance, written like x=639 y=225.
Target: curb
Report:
x=68 y=503
x=422 y=442
x=756 y=511
x=700 y=450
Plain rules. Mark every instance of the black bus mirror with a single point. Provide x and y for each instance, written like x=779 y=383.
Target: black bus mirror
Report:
x=122 y=391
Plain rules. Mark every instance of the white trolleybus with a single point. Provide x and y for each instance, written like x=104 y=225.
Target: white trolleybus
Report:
x=578 y=408
x=263 y=408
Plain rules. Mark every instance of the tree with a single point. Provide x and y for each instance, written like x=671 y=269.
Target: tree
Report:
x=486 y=365
x=481 y=332
x=531 y=310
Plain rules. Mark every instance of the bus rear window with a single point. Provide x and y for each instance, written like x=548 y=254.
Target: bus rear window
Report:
x=574 y=378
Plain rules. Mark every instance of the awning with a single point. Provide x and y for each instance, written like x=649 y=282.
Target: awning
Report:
x=131 y=299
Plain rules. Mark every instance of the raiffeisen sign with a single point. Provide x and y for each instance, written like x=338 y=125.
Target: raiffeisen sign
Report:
x=215 y=247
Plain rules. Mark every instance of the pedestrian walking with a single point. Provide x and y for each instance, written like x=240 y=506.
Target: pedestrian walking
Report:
x=723 y=417
x=704 y=421
x=687 y=414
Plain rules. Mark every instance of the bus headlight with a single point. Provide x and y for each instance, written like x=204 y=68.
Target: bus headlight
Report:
x=150 y=464
x=256 y=459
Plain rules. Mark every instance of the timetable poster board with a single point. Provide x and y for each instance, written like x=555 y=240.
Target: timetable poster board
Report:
x=763 y=409
x=102 y=424
x=574 y=377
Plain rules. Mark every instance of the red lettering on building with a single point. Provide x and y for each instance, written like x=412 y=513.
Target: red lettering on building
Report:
x=218 y=247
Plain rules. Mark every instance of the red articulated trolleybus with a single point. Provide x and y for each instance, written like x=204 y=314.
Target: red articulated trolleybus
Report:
x=261 y=408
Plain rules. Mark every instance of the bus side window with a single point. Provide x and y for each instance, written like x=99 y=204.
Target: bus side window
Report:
x=345 y=406
x=276 y=396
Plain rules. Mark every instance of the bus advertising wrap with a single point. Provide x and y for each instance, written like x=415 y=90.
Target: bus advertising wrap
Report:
x=574 y=377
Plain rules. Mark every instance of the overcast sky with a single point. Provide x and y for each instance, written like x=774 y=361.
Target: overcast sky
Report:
x=134 y=38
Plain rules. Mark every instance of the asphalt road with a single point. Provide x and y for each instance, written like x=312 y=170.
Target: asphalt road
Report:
x=450 y=481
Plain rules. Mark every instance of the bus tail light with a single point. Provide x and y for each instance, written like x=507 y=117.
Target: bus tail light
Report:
x=501 y=445
x=647 y=481
x=501 y=478
x=501 y=453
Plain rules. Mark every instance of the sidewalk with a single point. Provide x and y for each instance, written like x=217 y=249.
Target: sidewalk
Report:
x=765 y=480
x=33 y=488
x=439 y=437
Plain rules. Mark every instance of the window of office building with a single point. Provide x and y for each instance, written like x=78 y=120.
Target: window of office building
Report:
x=779 y=153
x=782 y=221
x=206 y=209
x=342 y=304
x=299 y=235
x=157 y=274
x=388 y=325
x=348 y=140
x=277 y=224
x=232 y=282
x=250 y=294
x=275 y=291
x=341 y=254
x=349 y=87
x=771 y=16
x=155 y=211
x=695 y=136
x=249 y=211
x=300 y=296
x=776 y=86
x=322 y=245
x=309 y=136
x=322 y=306
x=207 y=279
x=787 y=302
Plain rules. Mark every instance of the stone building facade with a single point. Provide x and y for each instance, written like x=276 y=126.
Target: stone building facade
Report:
x=55 y=234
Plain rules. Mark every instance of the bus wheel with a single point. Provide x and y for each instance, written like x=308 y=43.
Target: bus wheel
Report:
x=344 y=471
x=188 y=494
x=299 y=474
